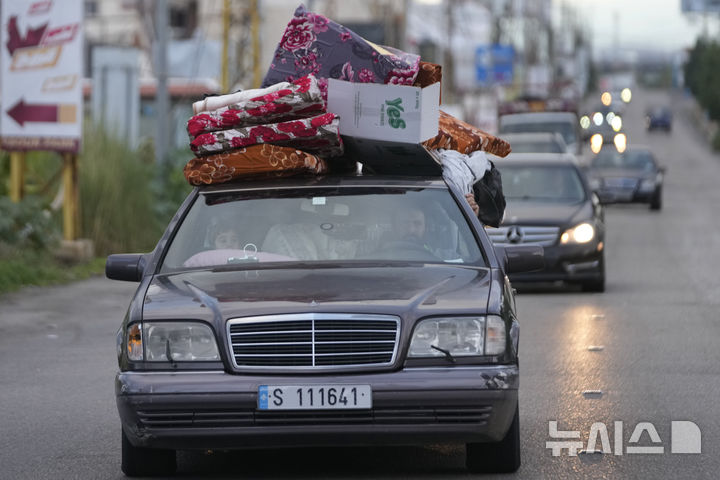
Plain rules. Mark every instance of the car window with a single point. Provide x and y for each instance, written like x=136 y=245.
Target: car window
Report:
x=537 y=147
x=630 y=159
x=544 y=183
x=566 y=129
x=323 y=224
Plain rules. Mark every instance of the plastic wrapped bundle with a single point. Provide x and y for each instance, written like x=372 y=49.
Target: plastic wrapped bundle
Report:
x=299 y=99
x=318 y=135
x=454 y=134
x=313 y=44
x=264 y=159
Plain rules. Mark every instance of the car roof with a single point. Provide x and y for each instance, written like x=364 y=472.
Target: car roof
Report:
x=537 y=117
x=638 y=147
x=539 y=158
x=312 y=181
x=532 y=136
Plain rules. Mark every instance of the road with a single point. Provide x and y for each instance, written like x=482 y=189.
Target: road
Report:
x=657 y=326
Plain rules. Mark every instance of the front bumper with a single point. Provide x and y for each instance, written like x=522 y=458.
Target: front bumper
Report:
x=570 y=263
x=216 y=410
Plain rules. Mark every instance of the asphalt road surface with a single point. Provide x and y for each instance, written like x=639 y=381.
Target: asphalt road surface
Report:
x=649 y=344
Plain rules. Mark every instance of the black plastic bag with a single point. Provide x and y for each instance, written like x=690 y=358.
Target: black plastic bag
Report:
x=489 y=196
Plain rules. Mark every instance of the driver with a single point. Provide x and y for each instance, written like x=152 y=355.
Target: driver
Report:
x=409 y=226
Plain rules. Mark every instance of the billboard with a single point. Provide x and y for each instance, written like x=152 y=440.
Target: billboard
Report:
x=494 y=64
x=700 y=6
x=41 y=75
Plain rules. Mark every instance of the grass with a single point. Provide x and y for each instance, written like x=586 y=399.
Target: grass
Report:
x=42 y=269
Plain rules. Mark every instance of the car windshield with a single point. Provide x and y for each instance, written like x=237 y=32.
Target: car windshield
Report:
x=336 y=224
x=630 y=159
x=565 y=129
x=543 y=183
x=537 y=147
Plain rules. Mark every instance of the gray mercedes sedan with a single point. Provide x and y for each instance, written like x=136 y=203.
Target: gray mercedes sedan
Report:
x=315 y=311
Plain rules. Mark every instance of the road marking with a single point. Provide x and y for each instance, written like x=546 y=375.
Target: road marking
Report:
x=597 y=317
x=596 y=348
x=592 y=393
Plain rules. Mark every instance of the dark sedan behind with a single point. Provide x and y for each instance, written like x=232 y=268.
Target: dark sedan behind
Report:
x=549 y=203
x=632 y=176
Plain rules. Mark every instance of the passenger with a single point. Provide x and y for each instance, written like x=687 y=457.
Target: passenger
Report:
x=227 y=238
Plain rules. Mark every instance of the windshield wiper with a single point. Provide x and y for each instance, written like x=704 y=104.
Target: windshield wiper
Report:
x=447 y=353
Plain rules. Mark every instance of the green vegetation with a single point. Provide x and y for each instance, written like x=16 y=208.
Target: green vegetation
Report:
x=126 y=200
x=702 y=76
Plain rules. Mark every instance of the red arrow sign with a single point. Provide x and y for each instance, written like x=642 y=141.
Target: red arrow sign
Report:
x=23 y=112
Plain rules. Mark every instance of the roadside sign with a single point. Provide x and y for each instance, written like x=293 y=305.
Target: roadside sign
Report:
x=41 y=68
x=494 y=64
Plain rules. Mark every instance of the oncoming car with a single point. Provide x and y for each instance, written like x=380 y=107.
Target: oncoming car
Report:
x=632 y=176
x=549 y=203
x=355 y=310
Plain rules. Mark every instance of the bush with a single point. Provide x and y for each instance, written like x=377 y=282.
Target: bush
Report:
x=27 y=225
x=117 y=198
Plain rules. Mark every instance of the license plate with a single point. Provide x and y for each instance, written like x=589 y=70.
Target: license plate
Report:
x=314 y=397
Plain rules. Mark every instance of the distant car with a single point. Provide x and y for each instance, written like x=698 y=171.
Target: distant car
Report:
x=659 y=118
x=550 y=203
x=632 y=176
x=356 y=310
x=564 y=123
x=543 y=142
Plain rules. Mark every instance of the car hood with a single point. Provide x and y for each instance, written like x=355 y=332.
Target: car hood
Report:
x=523 y=212
x=406 y=290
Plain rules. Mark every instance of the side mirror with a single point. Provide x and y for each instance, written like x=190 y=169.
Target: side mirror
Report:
x=125 y=266
x=521 y=258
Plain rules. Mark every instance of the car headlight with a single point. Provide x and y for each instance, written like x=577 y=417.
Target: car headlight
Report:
x=171 y=341
x=582 y=233
x=647 y=185
x=459 y=336
x=596 y=142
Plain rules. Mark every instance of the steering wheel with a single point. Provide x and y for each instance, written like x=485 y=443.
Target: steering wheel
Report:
x=405 y=250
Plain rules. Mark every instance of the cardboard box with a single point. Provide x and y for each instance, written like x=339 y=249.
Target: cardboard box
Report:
x=394 y=113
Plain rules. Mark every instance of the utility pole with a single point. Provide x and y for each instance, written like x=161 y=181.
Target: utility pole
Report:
x=448 y=67
x=225 y=77
x=161 y=98
x=255 y=29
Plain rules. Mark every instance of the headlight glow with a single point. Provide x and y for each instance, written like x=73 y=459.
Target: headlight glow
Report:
x=597 y=118
x=616 y=123
x=180 y=341
x=647 y=185
x=596 y=143
x=620 y=141
x=460 y=336
x=626 y=95
x=582 y=233
x=585 y=122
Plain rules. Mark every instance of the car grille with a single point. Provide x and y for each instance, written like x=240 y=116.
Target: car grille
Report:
x=621 y=183
x=313 y=341
x=514 y=234
x=229 y=418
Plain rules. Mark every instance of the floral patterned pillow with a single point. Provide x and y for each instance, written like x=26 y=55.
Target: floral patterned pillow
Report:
x=319 y=135
x=300 y=99
x=312 y=44
x=263 y=159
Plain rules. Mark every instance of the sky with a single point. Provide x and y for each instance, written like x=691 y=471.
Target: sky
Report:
x=653 y=24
